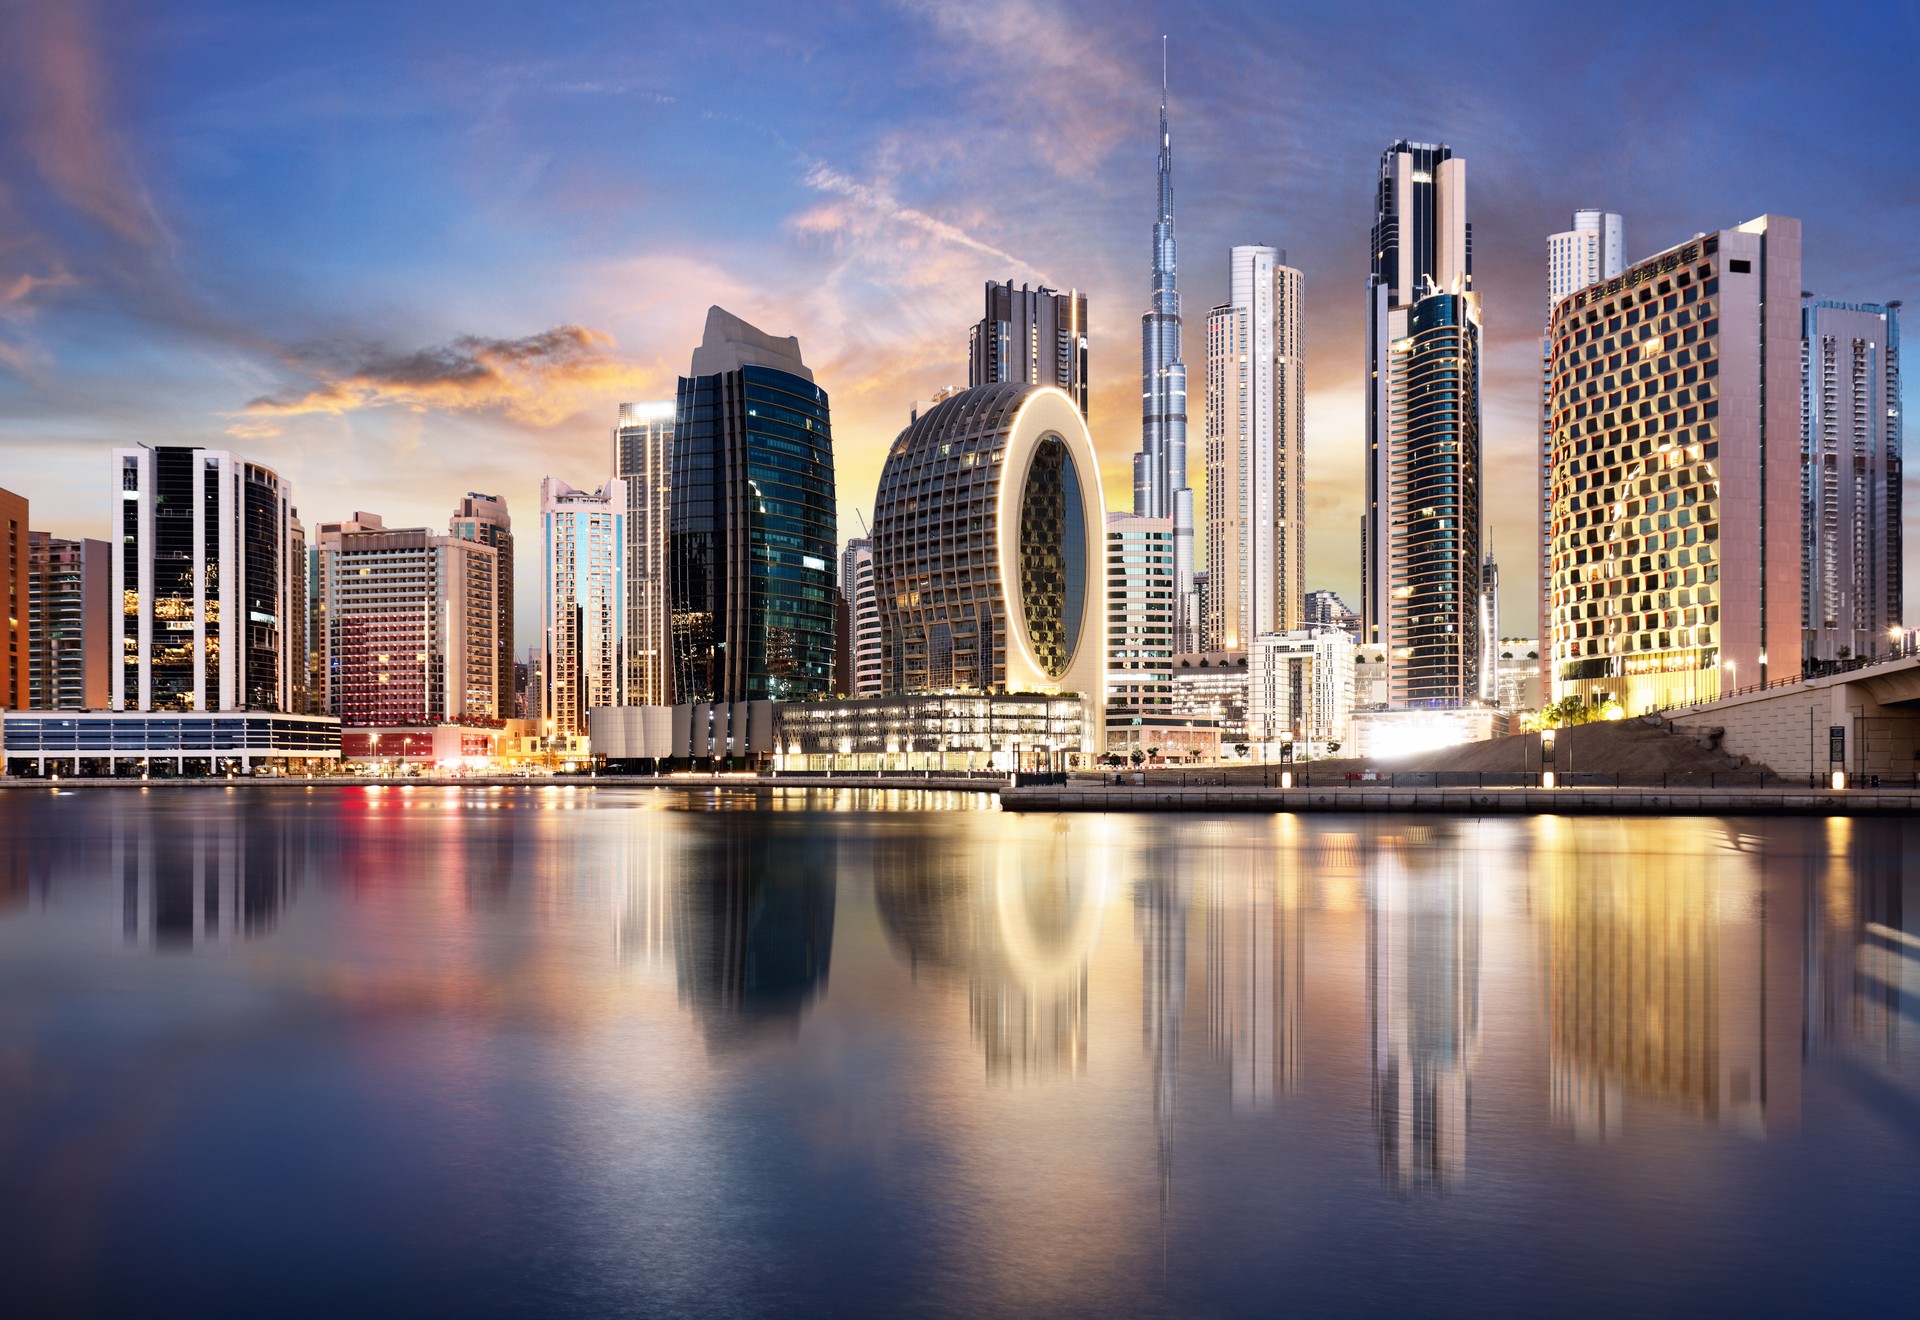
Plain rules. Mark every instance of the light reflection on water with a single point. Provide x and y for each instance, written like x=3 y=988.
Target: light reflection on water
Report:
x=618 y=1051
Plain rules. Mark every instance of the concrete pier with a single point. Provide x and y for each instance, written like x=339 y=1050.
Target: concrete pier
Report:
x=1474 y=801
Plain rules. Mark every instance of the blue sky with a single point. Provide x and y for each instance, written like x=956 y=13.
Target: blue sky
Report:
x=404 y=250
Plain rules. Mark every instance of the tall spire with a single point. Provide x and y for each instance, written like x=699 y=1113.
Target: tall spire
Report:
x=1160 y=487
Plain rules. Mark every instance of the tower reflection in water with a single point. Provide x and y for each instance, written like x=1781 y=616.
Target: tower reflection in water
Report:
x=1256 y=963
x=1860 y=958
x=752 y=927
x=1423 y=1002
x=201 y=876
x=1672 y=976
x=1016 y=924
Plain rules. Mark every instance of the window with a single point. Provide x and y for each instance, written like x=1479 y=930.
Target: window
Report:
x=1739 y=266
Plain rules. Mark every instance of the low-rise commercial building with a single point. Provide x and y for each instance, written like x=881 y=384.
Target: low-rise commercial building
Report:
x=172 y=743
x=1300 y=691
x=949 y=731
x=1210 y=690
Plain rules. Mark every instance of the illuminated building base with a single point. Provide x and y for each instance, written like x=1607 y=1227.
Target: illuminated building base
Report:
x=1387 y=734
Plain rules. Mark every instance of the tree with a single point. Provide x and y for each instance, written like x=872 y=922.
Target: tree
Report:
x=1139 y=757
x=1240 y=750
x=1332 y=747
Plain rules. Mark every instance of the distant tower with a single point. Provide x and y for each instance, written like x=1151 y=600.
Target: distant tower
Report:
x=1256 y=452
x=1036 y=336
x=15 y=560
x=1160 y=487
x=1594 y=249
x=483 y=518
x=643 y=459
x=583 y=600
x=1850 y=491
x=863 y=609
x=1489 y=627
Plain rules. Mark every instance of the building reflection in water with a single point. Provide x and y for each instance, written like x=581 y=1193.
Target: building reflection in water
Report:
x=202 y=876
x=645 y=862
x=1160 y=903
x=1671 y=976
x=1858 y=951
x=1017 y=924
x=752 y=928
x=1256 y=961
x=1423 y=1002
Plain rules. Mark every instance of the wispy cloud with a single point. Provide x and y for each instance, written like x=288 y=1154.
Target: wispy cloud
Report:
x=540 y=380
x=871 y=203
x=61 y=117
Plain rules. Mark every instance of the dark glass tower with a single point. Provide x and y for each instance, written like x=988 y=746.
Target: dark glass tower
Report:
x=753 y=532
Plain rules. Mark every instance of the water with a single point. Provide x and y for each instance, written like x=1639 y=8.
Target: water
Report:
x=622 y=1052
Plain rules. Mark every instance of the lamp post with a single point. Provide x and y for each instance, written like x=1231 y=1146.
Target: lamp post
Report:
x=1546 y=758
x=1286 y=760
x=1732 y=679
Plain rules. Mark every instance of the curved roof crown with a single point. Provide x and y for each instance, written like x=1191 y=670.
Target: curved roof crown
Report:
x=982 y=410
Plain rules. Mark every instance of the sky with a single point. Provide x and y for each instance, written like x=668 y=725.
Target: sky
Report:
x=403 y=251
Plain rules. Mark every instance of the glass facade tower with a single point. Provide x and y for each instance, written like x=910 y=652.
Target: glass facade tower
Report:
x=1420 y=557
x=207 y=582
x=752 y=529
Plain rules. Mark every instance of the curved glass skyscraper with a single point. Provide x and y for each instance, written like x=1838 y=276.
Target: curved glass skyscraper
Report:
x=1420 y=561
x=753 y=535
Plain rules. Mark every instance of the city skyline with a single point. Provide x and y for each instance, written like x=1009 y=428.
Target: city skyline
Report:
x=204 y=257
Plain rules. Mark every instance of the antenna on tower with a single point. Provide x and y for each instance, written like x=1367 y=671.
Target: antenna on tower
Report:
x=1163 y=69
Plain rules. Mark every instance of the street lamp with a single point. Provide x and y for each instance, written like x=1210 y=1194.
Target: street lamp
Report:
x=1732 y=677
x=1286 y=760
x=1546 y=758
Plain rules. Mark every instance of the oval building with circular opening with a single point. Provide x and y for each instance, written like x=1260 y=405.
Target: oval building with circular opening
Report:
x=988 y=549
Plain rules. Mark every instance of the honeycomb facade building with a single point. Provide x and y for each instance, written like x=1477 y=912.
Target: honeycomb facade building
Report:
x=988 y=550
x=1673 y=471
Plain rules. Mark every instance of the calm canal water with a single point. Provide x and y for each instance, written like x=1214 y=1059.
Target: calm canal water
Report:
x=626 y=1052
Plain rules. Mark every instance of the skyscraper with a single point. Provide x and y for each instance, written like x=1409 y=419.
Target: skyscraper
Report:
x=583 y=601
x=1421 y=545
x=206 y=582
x=410 y=625
x=1593 y=249
x=70 y=621
x=1853 y=549
x=1160 y=487
x=753 y=521
x=1673 y=469
x=863 y=609
x=1256 y=444
x=1489 y=623
x=1034 y=336
x=14 y=644
x=643 y=458
x=483 y=518
x=988 y=549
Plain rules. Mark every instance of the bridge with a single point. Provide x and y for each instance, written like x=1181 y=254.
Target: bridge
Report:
x=1790 y=726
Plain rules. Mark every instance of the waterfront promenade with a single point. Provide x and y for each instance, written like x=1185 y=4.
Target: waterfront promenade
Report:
x=1089 y=795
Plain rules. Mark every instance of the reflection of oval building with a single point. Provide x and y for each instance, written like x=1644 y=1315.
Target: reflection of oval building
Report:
x=987 y=548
